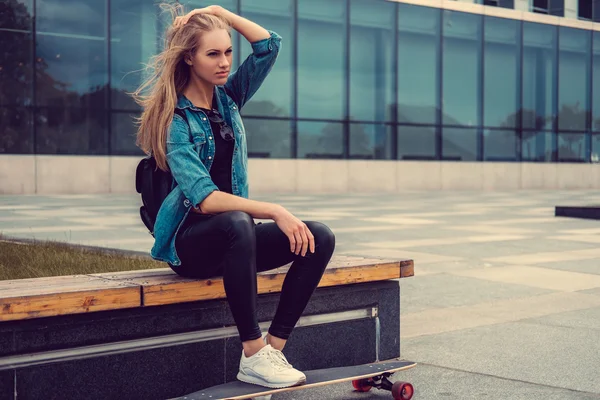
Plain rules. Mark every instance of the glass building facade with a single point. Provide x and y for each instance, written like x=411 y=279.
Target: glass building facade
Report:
x=356 y=79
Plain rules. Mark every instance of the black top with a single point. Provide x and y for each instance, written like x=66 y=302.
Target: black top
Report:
x=220 y=171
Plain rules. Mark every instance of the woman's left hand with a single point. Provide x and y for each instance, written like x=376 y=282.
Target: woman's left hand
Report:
x=214 y=10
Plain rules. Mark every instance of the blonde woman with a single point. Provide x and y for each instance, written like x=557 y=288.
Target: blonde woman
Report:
x=191 y=123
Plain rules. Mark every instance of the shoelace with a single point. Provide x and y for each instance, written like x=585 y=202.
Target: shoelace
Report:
x=279 y=359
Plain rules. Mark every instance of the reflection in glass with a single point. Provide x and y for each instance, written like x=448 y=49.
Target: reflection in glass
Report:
x=370 y=141
x=76 y=74
x=16 y=15
x=371 y=66
x=268 y=138
x=123 y=134
x=571 y=147
x=134 y=40
x=71 y=131
x=16 y=130
x=501 y=72
x=16 y=69
x=536 y=145
x=499 y=145
x=321 y=59
x=459 y=144
x=70 y=18
x=539 y=75
x=320 y=140
x=596 y=83
x=274 y=98
x=71 y=45
x=16 y=44
x=416 y=142
x=574 y=79
x=461 y=68
x=418 y=60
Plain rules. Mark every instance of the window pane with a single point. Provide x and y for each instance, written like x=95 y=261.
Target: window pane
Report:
x=536 y=146
x=502 y=71
x=16 y=15
x=596 y=82
x=268 y=138
x=71 y=131
x=16 y=44
x=459 y=144
x=571 y=147
x=499 y=145
x=418 y=60
x=123 y=134
x=72 y=47
x=16 y=69
x=134 y=39
x=416 y=142
x=585 y=9
x=371 y=64
x=462 y=68
x=16 y=130
x=370 y=141
x=275 y=93
x=320 y=140
x=321 y=59
x=71 y=18
x=539 y=75
x=574 y=79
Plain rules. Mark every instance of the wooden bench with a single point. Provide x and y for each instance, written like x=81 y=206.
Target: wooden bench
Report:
x=151 y=334
x=64 y=295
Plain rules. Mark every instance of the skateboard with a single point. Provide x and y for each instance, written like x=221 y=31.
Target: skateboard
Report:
x=363 y=377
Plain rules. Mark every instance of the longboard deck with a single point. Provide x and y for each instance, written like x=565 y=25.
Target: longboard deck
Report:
x=237 y=390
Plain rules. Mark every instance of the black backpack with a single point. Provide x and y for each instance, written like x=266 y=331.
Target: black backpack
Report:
x=154 y=185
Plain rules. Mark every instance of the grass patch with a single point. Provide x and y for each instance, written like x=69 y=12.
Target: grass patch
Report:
x=36 y=259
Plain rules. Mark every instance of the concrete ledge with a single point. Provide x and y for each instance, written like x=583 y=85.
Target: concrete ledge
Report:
x=17 y=174
x=116 y=175
x=161 y=352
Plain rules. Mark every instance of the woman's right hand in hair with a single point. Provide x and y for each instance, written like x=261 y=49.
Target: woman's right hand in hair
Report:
x=301 y=238
x=180 y=21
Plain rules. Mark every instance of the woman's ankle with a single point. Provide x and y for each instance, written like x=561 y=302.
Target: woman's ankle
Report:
x=251 y=347
x=275 y=342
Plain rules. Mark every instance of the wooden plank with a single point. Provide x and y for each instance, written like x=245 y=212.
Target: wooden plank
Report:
x=25 y=298
x=171 y=289
x=63 y=295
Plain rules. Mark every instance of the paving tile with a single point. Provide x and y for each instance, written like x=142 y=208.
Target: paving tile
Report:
x=452 y=291
x=436 y=321
x=544 y=278
x=527 y=352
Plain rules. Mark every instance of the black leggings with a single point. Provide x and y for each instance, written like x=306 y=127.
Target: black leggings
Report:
x=231 y=245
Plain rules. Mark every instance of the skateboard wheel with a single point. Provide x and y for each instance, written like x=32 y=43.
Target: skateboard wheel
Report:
x=402 y=391
x=362 y=385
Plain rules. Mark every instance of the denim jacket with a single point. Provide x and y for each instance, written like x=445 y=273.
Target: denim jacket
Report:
x=191 y=147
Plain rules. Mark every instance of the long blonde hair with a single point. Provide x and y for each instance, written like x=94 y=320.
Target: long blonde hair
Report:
x=169 y=75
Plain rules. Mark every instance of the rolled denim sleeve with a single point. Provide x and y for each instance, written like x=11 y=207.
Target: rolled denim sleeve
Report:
x=248 y=78
x=186 y=167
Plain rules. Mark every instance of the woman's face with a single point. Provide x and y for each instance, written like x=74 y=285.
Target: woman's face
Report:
x=212 y=60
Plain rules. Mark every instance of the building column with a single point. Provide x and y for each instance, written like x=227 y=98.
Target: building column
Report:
x=523 y=5
x=571 y=9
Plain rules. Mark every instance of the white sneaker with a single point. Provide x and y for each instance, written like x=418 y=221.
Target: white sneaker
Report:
x=269 y=368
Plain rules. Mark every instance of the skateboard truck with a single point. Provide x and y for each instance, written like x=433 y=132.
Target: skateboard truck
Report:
x=400 y=390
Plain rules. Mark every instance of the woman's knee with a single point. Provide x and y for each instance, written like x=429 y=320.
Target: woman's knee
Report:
x=238 y=223
x=324 y=237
